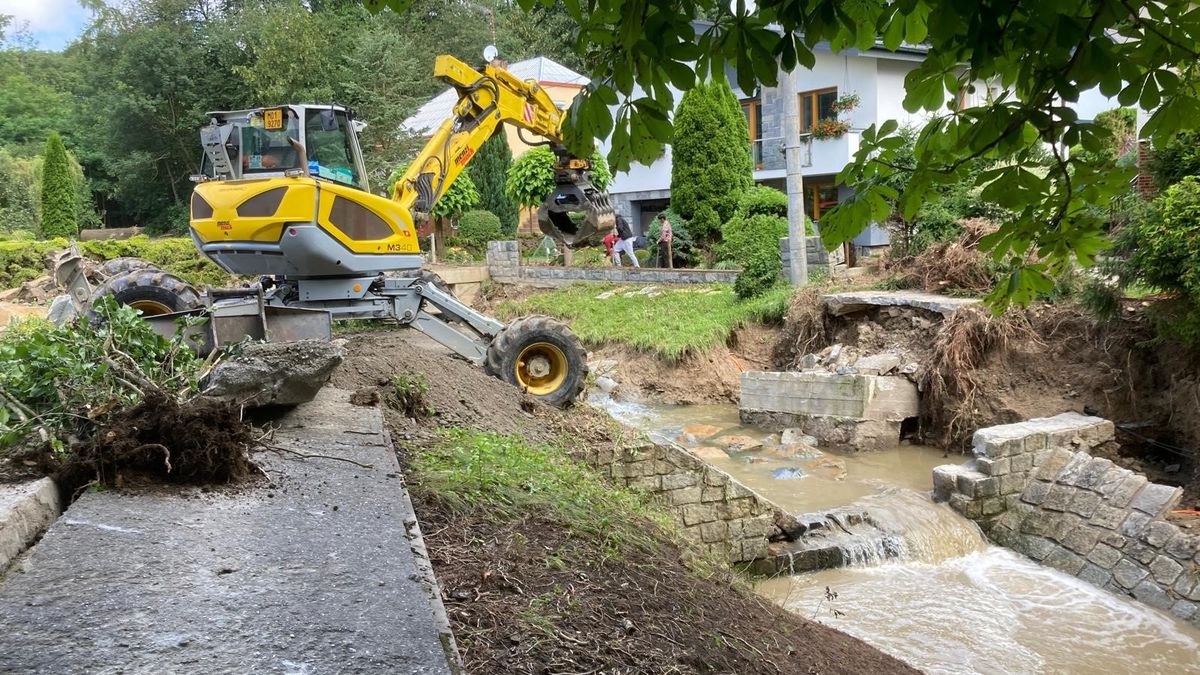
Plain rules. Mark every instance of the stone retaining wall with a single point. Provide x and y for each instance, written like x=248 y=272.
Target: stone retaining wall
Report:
x=1034 y=488
x=504 y=264
x=713 y=509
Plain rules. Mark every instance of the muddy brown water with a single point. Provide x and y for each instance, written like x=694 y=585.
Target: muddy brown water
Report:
x=953 y=603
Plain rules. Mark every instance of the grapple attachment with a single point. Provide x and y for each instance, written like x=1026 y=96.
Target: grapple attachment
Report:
x=576 y=213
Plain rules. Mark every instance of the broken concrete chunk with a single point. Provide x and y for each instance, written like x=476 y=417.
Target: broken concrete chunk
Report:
x=794 y=436
x=809 y=362
x=274 y=373
x=606 y=384
x=739 y=443
x=695 y=433
x=879 y=364
x=709 y=453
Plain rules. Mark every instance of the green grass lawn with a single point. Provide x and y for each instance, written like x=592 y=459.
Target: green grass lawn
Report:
x=679 y=322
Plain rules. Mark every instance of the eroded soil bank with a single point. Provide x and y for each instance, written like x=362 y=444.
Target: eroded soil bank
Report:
x=533 y=595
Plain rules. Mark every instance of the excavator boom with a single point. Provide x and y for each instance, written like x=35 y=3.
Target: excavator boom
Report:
x=575 y=213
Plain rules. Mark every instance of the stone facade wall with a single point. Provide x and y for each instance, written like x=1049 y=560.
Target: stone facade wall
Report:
x=713 y=509
x=1034 y=488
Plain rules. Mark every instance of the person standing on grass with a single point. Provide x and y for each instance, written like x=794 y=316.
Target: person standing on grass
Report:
x=664 y=243
x=610 y=240
x=625 y=244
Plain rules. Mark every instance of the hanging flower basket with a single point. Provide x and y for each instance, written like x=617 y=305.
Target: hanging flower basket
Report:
x=830 y=128
x=846 y=103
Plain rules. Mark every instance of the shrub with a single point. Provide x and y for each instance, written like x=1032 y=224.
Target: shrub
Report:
x=759 y=275
x=1178 y=159
x=476 y=228
x=744 y=237
x=712 y=166
x=1167 y=253
x=531 y=177
x=764 y=200
x=60 y=207
x=408 y=395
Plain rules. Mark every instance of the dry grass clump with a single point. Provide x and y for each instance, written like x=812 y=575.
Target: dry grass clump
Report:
x=805 y=329
x=960 y=349
x=955 y=265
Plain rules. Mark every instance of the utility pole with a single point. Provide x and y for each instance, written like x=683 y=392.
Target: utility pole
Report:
x=797 y=245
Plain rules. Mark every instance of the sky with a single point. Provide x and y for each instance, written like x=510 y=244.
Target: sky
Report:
x=53 y=23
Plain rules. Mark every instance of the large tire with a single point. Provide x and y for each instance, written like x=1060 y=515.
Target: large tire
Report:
x=122 y=266
x=542 y=357
x=151 y=291
x=433 y=279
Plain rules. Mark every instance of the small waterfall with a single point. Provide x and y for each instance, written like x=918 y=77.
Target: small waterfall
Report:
x=895 y=524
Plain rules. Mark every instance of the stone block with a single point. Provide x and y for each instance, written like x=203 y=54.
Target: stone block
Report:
x=1134 y=524
x=1035 y=492
x=1038 y=523
x=1140 y=552
x=1035 y=547
x=1022 y=462
x=680 y=479
x=1064 y=524
x=753 y=549
x=757 y=526
x=694 y=514
x=1093 y=474
x=991 y=506
x=1188 y=586
x=741 y=507
x=969 y=481
x=1073 y=469
x=1108 y=517
x=1052 y=462
x=1059 y=498
x=712 y=494
x=1013 y=483
x=1011 y=501
x=1182 y=546
x=945 y=482
x=1128 y=573
x=714 y=531
x=1111 y=479
x=1150 y=593
x=988 y=487
x=715 y=479
x=1113 y=539
x=1064 y=561
x=1158 y=533
x=998 y=442
x=1081 y=539
x=1084 y=502
x=1155 y=499
x=1097 y=576
x=1123 y=493
x=1104 y=555
x=993 y=467
x=646 y=483
x=684 y=496
x=1188 y=611
x=965 y=506
x=1165 y=570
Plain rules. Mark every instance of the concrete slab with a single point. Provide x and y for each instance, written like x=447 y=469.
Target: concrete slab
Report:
x=312 y=574
x=26 y=510
x=860 y=397
x=840 y=304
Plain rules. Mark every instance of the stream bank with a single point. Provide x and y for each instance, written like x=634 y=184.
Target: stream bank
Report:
x=947 y=601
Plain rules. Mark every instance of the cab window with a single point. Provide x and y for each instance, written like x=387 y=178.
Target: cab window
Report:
x=329 y=146
x=265 y=142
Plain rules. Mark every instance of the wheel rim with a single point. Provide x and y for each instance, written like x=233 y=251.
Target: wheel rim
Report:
x=541 y=368
x=150 y=307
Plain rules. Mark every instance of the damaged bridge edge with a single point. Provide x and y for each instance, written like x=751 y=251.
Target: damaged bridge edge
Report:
x=26 y=511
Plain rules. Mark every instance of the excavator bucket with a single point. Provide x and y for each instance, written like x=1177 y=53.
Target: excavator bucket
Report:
x=576 y=214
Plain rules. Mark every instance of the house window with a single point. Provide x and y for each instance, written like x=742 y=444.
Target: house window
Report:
x=752 y=109
x=819 y=198
x=815 y=106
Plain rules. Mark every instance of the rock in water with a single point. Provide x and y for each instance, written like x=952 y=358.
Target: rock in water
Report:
x=274 y=373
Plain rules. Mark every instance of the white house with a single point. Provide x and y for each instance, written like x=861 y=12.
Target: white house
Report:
x=875 y=76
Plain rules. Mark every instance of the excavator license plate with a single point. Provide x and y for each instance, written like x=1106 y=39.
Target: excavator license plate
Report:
x=272 y=119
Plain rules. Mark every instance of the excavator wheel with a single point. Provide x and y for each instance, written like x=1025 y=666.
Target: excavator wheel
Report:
x=542 y=357
x=430 y=277
x=124 y=265
x=151 y=291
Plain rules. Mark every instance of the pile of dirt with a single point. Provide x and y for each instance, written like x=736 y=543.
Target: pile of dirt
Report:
x=202 y=442
x=459 y=393
x=513 y=611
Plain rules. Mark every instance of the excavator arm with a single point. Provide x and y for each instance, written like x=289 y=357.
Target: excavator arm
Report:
x=574 y=213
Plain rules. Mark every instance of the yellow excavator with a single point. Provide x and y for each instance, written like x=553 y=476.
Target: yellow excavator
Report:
x=284 y=197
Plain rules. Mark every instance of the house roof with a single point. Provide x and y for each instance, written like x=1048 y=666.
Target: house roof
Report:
x=545 y=71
